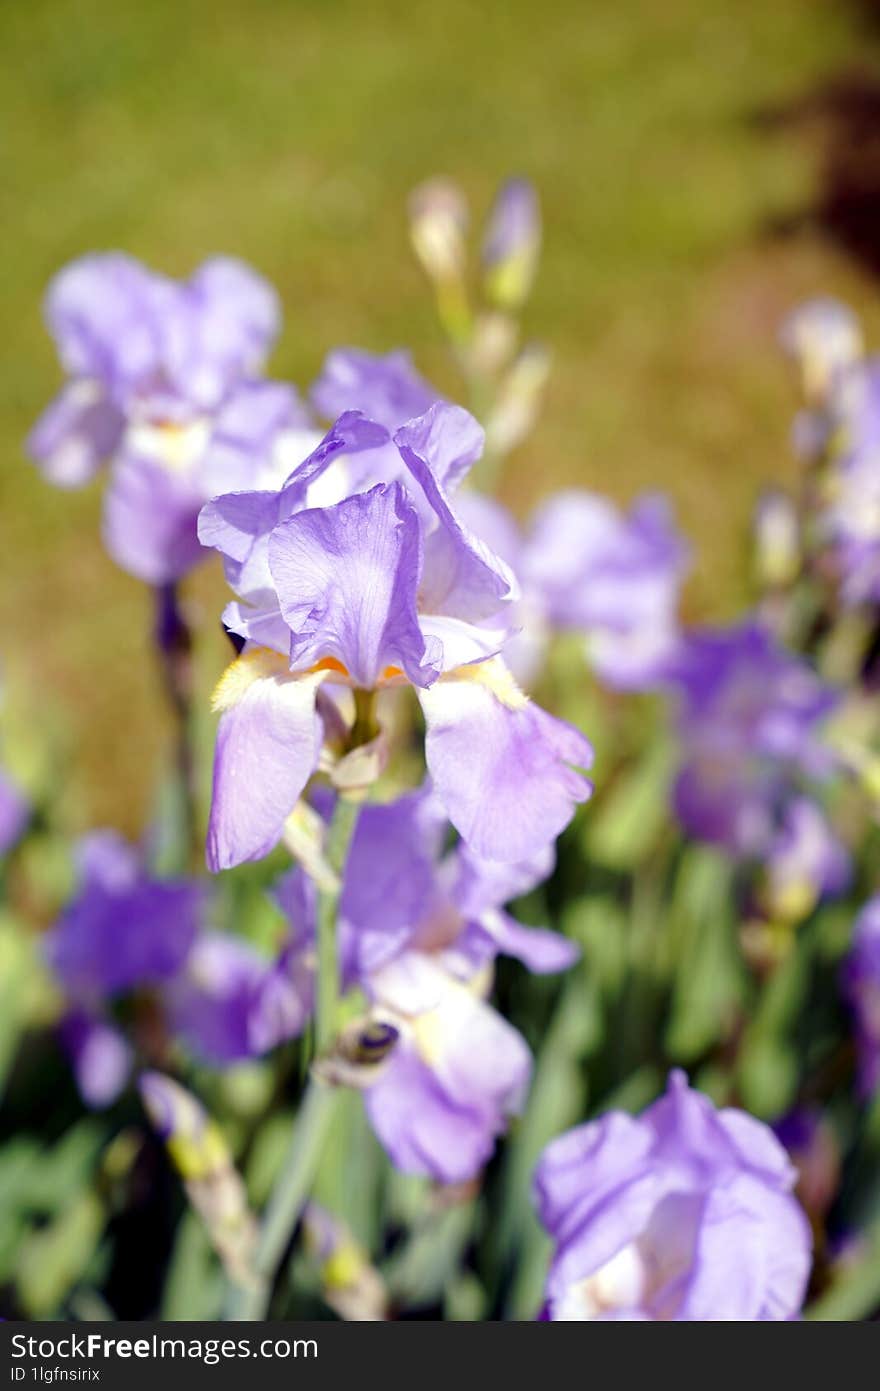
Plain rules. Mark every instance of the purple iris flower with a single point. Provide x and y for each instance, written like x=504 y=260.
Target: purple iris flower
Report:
x=151 y=363
x=386 y=389
x=14 y=813
x=683 y=1213
x=861 y=983
x=383 y=588
x=125 y=932
x=230 y=1003
x=123 y=929
x=121 y=932
x=614 y=577
x=419 y=930
x=750 y=717
x=585 y=567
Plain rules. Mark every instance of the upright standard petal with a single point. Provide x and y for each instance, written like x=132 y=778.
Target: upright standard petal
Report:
x=505 y=770
x=347 y=578
x=268 y=744
x=387 y=389
x=462 y=577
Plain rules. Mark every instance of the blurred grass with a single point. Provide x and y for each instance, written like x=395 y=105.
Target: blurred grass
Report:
x=290 y=134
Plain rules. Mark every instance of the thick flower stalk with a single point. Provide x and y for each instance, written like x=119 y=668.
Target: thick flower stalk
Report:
x=683 y=1213
x=382 y=589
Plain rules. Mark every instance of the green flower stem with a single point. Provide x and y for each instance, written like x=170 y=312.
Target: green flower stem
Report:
x=339 y=838
x=315 y=1117
x=289 y=1196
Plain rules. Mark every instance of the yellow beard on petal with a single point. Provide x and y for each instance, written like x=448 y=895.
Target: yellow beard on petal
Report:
x=241 y=674
x=495 y=677
x=174 y=445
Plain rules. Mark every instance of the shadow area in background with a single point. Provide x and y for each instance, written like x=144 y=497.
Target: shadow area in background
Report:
x=839 y=121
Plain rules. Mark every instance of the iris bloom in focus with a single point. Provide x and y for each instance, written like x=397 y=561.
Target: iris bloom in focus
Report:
x=384 y=587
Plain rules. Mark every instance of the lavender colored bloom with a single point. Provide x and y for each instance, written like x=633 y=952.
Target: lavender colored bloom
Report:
x=861 y=985
x=383 y=588
x=750 y=718
x=159 y=348
x=418 y=933
x=615 y=578
x=584 y=567
x=14 y=813
x=150 y=363
x=456 y=1075
x=683 y=1213
x=126 y=932
x=230 y=1003
x=386 y=389
x=123 y=929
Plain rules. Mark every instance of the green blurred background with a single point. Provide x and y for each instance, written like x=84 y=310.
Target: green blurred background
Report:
x=682 y=221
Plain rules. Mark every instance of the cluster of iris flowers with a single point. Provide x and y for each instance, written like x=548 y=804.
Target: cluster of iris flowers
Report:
x=368 y=562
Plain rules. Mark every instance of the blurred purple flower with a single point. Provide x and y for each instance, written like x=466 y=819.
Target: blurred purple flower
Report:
x=683 y=1213
x=584 y=567
x=15 y=813
x=229 y=1002
x=123 y=929
x=125 y=932
x=386 y=389
x=381 y=589
x=750 y=717
x=861 y=985
x=151 y=362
